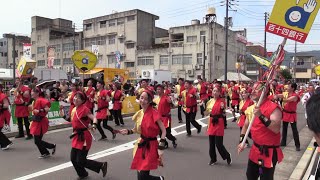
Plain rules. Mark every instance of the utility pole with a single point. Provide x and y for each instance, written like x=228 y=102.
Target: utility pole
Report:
x=265 y=34
x=226 y=41
x=204 y=58
x=294 y=60
x=14 y=57
x=74 y=46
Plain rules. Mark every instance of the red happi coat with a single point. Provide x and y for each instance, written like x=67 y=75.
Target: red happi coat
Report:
x=235 y=98
x=40 y=128
x=218 y=128
x=103 y=104
x=90 y=95
x=80 y=114
x=191 y=102
x=5 y=115
x=164 y=110
x=203 y=91
x=116 y=97
x=73 y=93
x=21 y=110
x=167 y=92
x=264 y=136
x=289 y=113
x=182 y=88
x=146 y=124
x=244 y=107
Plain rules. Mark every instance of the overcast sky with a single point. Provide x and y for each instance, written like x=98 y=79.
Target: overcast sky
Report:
x=16 y=15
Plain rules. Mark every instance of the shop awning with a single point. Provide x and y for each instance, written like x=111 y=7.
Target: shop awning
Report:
x=93 y=71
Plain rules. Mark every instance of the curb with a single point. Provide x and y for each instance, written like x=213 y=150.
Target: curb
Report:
x=301 y=168
x=55 y=127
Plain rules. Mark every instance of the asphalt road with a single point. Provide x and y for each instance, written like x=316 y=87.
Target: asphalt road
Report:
x=188 y=162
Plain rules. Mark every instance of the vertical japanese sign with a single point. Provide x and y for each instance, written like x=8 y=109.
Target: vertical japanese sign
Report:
x=95 y=49
x=27 y=50
x=293 y=19
x=118 y=58
x=51 y=52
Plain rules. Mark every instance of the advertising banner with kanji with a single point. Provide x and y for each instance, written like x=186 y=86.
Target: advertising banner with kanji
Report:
x=293 y=19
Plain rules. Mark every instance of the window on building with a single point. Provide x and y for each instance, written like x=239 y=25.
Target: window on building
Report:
x=202 y=33
x=41 y=50
x=130 y=45
x=41 y=63
x=182 y=59
x=67 y=61
x=131 y=18
x=145 y=60
x=199 y=58
x=33 y=56
x=164 y=60
x=187 y=59
x=120 y=21
x=4 y=43
x=301 y=70
x=33 y=42
x=21 y=53
x=5 y=54
x=129 y=64
x=103 y=24
x=112 y=39
x=111 y=59
x=112 y=23
x=217 y=58
x=121 y=40
x=101 y=40
x=1 y=54
x=57 y=47
x=57 y=62
x=191 y=38
x=88 y=26
x=1 y=44
x=67 y=47
x=39 y=37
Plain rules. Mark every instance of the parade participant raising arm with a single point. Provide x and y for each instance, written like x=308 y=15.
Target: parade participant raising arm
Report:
x=216 y=109
x=82 y=138
x=146 y=152
x=265 y=133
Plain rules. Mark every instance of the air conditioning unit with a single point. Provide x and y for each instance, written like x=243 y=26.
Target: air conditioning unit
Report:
x=197 y=67
x=68 y=69
x=146 y=73
x=190 y=72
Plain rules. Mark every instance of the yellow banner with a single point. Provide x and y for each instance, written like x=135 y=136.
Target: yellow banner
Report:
x=317 y=70
x=129 y=105
x=293 y=18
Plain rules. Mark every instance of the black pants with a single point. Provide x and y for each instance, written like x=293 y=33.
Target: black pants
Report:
x=110 y=117
x=217 y=141
x=4 y=141
x=26 y=124
x=228 y=101
x=80 y=162
x=168 y=134
x=42 y=145
x=118 y=117
x=295 y=133
x=202 y=109
x=179 y=113
x=105 y=125
x=267 y=173
x=234 y=108
x=225 y=121
x=145 y=175
x=190 y=118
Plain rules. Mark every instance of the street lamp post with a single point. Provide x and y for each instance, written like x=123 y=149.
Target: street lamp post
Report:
x=13 y=54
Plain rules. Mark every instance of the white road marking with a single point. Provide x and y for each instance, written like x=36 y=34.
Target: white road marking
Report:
x=107 y=152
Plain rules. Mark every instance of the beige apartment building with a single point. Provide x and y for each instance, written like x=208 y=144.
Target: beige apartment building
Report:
x=57 y=33
x=6 y=49
x=304 y=68
x=141 y=44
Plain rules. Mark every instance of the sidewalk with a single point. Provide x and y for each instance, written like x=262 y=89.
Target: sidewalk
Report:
x=14 y=131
